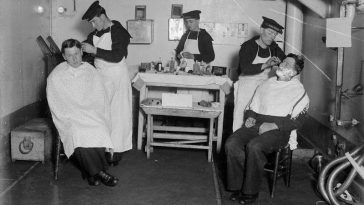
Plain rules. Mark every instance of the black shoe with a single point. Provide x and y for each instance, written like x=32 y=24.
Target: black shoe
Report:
x=248 y=198
x=107 y=179
x=108 y=157
x=117 y=157
x=113 y=160
x=93 y=181
x=235 y=195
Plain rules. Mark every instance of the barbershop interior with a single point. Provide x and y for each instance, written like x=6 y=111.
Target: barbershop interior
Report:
x=182 y=102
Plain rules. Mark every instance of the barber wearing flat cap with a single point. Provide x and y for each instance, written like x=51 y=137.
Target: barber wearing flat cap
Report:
x=256 y=58
x=109 y=44
x=195 y=43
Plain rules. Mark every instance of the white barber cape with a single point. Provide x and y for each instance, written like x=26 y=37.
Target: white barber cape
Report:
x=280 y=98
x=79 y=106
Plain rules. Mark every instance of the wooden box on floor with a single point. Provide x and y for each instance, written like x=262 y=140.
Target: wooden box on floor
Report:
x=32 y=141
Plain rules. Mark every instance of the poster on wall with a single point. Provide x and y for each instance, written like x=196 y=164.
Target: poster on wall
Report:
x=141 y=31
x=226 y=33
x=176 y=29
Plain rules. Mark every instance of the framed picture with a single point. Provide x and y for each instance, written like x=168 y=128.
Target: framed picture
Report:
x=141 y=31
x=140 y=12
x=176 y=28
x=176 y=11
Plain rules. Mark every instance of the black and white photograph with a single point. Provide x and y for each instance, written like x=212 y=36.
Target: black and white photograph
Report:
x=183 y=102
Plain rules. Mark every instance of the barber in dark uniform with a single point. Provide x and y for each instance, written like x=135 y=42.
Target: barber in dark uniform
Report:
x=195 y=46
x=196 y=43
x=256 y=58
x=108 y=43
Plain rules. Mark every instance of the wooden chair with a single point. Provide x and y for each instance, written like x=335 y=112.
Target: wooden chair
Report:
x=280 y=166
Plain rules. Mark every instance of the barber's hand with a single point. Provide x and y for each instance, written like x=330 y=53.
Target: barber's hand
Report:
x=188 y=55
x=250 y=122
x=267 y=126
x=88 y=48
x=273 y=61
x=179 y=56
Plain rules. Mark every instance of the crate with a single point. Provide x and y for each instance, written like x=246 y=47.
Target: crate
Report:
x=32 y=141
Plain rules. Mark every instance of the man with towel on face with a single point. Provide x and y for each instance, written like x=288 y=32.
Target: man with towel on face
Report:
x=279 y=107
x=109 y=44
x=80 y=110
x=256 y=58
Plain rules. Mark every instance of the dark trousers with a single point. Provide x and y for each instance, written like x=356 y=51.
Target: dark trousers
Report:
x=246 y=152
x=91 y=160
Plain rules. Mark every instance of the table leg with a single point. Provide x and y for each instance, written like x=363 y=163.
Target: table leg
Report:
x=151 y=139
x=149 y=136
x=142 y=96
x=211 y=135
x=220 y=122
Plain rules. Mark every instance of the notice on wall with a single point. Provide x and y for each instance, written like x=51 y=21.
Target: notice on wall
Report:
x=141 y=31
x=338 y=32
x=226 y=33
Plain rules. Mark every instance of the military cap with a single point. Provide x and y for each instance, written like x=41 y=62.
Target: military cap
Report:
x=272 y=24
x=92 y=11
x=195 y=14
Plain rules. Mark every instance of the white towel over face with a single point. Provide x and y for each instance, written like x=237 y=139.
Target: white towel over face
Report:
x=79 y=107
x=279 y=98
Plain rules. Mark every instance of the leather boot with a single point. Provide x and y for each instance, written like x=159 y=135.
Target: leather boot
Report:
x=93 y=181
x=248 y=198
x=107 y=178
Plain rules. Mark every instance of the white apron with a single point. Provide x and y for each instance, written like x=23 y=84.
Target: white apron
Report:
x=191 y=45
x=244 y=90
x=118 y=86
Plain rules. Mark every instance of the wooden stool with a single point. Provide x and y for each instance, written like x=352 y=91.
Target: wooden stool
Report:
x=281 y=167
x=186 y=137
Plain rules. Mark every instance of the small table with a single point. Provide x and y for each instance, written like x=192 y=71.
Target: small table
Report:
x=144 y=82
x=185 y=137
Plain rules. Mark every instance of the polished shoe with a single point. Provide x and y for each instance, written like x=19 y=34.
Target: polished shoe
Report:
x=108 y=157
x=107 y=179
x=93 y=181
x=235 y=195
x=248 y=198
x=113 y=160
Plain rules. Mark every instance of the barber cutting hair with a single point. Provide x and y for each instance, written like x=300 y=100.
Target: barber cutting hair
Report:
x=109 y=44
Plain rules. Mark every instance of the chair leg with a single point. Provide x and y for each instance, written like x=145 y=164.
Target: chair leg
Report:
x=289 y=168
x=275 y=173
x=58 y=150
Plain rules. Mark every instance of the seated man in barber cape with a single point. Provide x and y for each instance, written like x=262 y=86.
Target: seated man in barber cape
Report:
x=81 y=113
x=279 y=105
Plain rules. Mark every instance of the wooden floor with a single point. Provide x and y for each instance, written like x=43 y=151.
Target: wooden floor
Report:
x=170 y=176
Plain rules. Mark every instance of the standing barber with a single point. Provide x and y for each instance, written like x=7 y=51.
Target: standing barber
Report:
x=256 y=58
x=195 y=46
x=108 y=43
x=195 y=43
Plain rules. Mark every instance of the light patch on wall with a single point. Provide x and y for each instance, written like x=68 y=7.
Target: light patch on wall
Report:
x=338 y=32
x=39 y=9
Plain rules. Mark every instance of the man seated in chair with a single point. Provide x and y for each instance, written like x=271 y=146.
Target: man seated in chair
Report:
x=279 y=105
x=80 y=111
